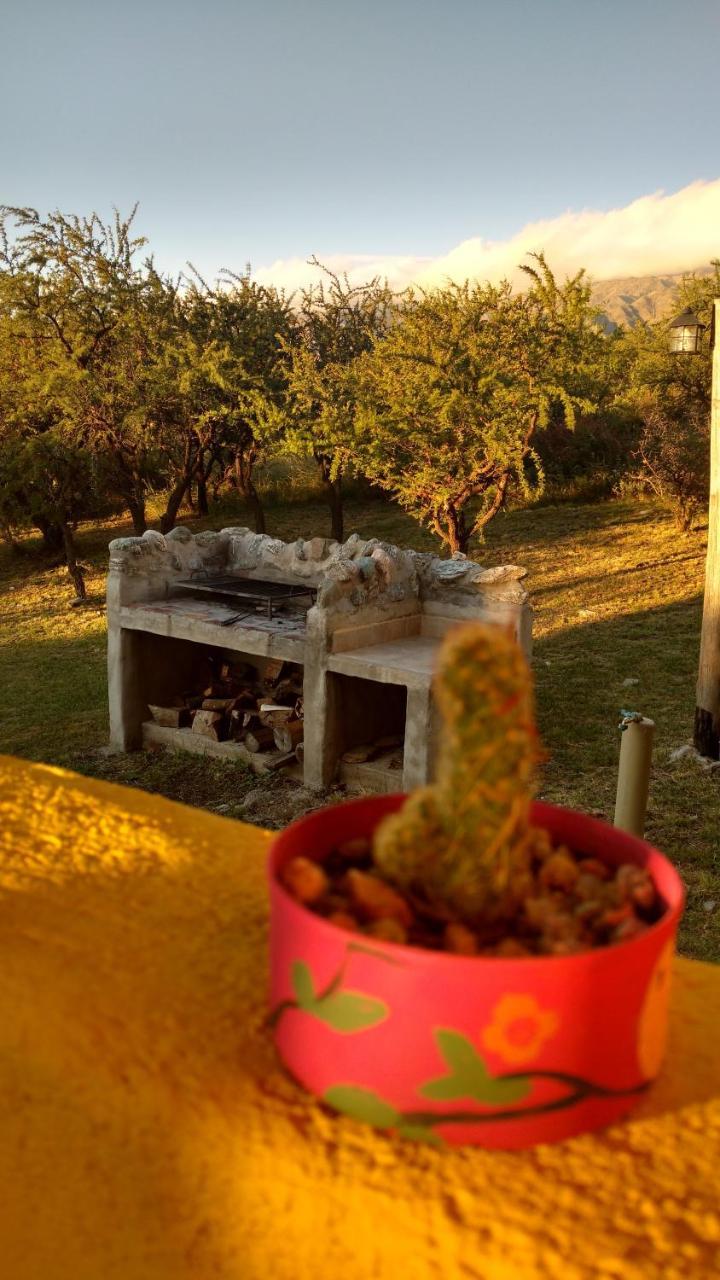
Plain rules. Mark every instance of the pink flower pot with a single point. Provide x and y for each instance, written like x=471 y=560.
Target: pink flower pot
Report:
x=455 y=1049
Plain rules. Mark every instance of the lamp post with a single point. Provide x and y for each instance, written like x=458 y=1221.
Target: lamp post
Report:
x=685 y=338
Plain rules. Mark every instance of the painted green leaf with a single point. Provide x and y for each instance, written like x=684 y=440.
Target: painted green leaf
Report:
x=500 y=1092
x=302 y=984
x=362 y=1104
x=348 y=1011
x=469 y=1077
x=460 y=1055
x=445 y=1089
x=421 y=1133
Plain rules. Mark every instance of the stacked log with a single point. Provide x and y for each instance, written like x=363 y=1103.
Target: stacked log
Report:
x=262 y=709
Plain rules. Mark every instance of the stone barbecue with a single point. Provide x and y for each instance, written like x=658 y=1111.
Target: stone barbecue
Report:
x=358 y=624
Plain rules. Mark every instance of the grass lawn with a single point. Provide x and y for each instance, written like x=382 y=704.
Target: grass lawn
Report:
x=617 y=592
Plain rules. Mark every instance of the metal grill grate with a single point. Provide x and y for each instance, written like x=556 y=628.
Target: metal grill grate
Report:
x=251 y=590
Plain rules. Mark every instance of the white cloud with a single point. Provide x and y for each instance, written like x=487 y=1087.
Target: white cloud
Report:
x=656 y=234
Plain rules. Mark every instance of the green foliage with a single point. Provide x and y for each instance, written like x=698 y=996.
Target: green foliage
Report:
x=669 y=396
x=336 y=323
x=225 y=374
x=698 y=293
x=72 y=347
x=161 y=386
x=450 y=401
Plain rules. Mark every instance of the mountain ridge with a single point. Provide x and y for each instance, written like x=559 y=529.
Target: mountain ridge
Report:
x=629 y=300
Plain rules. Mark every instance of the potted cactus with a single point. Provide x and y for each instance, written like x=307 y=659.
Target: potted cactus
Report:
x=466 y=964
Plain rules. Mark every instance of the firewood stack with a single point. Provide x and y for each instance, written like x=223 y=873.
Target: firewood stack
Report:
x=263 y=710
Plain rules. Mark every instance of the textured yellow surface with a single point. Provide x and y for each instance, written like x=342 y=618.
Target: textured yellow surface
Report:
x=148 y=1132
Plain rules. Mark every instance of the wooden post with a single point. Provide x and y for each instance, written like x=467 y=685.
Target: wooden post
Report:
x=707 y=699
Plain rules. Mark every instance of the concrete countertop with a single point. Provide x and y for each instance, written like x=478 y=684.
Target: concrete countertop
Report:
x=201 y=620
x=409 y=661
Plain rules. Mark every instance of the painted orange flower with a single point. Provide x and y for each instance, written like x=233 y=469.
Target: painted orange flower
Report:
x=652 y=1027
x=519 y=1029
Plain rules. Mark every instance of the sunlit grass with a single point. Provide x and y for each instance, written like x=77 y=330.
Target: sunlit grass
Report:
x=617 y=593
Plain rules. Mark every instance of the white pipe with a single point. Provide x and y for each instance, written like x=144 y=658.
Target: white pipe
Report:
x=636 y=744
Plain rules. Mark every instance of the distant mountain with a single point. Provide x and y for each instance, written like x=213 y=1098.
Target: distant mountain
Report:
x=635 y=298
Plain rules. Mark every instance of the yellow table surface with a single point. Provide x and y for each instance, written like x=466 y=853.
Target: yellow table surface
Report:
x=148 y=1130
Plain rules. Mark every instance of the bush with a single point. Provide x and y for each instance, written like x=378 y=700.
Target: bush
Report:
x=672 y=459
x=589 y=462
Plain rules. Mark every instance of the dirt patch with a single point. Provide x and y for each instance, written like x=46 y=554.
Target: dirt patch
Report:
x=220 y=786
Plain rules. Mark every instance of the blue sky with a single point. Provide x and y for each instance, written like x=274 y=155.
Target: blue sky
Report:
x=254 y=131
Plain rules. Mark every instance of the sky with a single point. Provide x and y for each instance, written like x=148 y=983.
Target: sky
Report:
x=413 y=138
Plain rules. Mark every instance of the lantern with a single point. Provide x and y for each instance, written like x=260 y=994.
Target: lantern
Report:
x=685 y=333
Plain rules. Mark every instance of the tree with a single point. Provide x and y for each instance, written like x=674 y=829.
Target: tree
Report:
x=670 y=397
x=79 y=309
x=450 y=400
x=46 y=479
x=336 y=323
x=223 y=383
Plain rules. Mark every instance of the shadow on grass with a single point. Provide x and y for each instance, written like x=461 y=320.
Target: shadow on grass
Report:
x=53 y=695
x=581 y=674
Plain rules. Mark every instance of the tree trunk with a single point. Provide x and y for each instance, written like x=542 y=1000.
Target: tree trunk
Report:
x=174 y=502
x=7 y=536
x=256 y=507
x=707 y=699
x=244 y=483
x=136 y=506
x=334 y=496
x=335 y=499
x=455 y=530
x=73 y=568
x=497 y=503
x=202 y=493
x=52 y=533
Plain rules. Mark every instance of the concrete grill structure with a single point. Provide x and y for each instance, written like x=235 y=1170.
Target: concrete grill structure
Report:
x=366 y=645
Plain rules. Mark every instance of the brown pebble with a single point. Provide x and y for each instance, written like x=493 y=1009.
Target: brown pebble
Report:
x=562 y=927
x=594 y=867
x=304 y=879
x=589 y=909
x=538 y=910
x=344 y=920
x=560 y=871
x=375 y=899
x=588 y=887
x=636 y=883
x=564 y=947
x=510 y=947
x=460 y=940
x=542 y=846
x=358 y=850
x=387 y=930
x=629 y=928
x=615 y=915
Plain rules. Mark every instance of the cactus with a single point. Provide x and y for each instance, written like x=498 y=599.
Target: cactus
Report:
x=466 y=844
